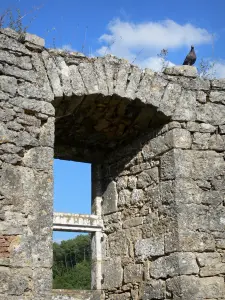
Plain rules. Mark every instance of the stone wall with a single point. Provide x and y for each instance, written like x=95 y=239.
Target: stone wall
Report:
x=26 y=179
x=163 y=204
x=156 y=143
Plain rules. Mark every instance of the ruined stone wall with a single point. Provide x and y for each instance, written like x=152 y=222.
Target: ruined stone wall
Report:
x=156 y=143
x=163 y=206
x=26 y=178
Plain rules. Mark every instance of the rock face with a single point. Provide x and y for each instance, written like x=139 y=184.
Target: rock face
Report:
x=156 y=143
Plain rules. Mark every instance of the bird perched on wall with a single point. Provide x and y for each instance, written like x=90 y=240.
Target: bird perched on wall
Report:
x=190 y=58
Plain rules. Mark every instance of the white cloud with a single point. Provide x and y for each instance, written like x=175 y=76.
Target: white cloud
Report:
x=219 y=68
x=155 y=63
x=126 y=39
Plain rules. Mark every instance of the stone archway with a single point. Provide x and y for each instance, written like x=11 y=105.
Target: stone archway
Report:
x=157 y=144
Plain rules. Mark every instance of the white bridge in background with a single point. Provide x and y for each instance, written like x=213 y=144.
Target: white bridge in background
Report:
x=77 y=222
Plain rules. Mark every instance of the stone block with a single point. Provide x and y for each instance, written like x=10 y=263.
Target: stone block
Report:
x=211 y=113
x=33 y=105
x=217 y=142
x=198 y=165
x=101 y=76
x=47 y=135
x=121 y=79
x=154 y=289
x=201 y=97
x=112 y=273
x=201 y=141
x=192 y=287
x=12 y=44
x=137 y=196
x=8 y=84
x=53 y=74
x=34 y=39
x=136 y=221
x=187 y=71
x=77 y=83
x=89 y=77
x=170 y=99
x=185 y=109
x=22 y=62
x=4 y=279
x=178 y=138
x=173 y=265
x=133 y=273
x=133 y=82
x=124 y=198
x=122 y=296
x=110 y=198
x=188 y=241
x=150 y=247
x=39 y=158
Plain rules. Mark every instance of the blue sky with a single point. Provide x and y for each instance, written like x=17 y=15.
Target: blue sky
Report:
x=135 y=30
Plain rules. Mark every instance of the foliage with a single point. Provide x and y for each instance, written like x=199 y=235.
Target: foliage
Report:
x=206 y=69
x=72 y=263
x=14 y=19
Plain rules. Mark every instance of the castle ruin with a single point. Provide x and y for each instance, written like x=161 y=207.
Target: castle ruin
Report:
x=156 y=142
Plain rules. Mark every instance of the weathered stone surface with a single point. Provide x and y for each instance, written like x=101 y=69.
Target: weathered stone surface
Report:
x=112 y=272
x=133 y=222
x=38 y=158
x=201 y=141
x=178 y=138
x=211 y=113
x=12 y=44
x=218 y=83
x=170 y=99
x=76 y=295
x=185 y=109
x=185 y=163
x=146 y=248
x=201 y=96
x=89 y=77
x=217 y=142
x=8 y=84
x=133 y=82
x=191 y=287
x=173 y=265
x=133 y=273
x=11 y=70
x=23 y=62
x=124 y=197
x=77 y=83
x=188 y=241
x=187 y=71
x=155 y=289
x=33 y=105
x=122 y=76
x=34 y=39
x=110 y=198
x=53 y=74
x=47 y=133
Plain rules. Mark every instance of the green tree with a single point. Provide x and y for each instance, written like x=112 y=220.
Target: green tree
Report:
x=72 y=263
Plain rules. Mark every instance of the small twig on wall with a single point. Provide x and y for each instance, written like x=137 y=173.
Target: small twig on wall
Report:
x=85 y=36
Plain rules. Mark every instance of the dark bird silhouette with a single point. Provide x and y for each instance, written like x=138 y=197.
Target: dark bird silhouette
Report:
x=190 y=58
